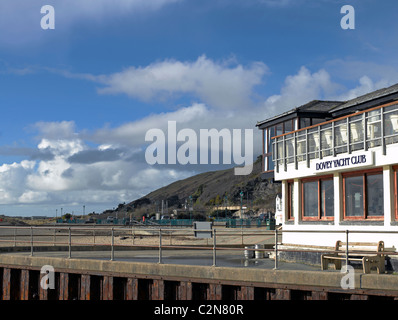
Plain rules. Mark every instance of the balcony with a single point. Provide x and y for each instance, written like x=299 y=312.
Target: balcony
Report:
x=376 y=127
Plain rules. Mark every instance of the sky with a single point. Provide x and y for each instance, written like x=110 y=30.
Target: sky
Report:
x=77 y=100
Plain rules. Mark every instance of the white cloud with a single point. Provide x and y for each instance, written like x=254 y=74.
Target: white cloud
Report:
x=216 y=84
x=300 y=89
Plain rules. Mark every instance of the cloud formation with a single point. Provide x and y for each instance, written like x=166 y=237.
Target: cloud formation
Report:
x=220 y=85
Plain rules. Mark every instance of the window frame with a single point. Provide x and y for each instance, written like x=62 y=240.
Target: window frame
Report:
x=364 y=173
x=395 y=177
x=290 y=200
x=267 y=141
x=319 y=217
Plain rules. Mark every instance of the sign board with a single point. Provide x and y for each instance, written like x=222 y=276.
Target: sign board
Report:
x=203 y=229
x=343 y=162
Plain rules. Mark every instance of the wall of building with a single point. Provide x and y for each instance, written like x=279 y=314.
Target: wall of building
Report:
x=326 y=233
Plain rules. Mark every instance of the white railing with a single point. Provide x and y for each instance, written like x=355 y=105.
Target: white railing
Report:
x=376 y=127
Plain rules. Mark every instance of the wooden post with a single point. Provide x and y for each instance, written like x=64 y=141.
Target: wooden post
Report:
x=107 y=288
x=24 y=285
x=85 y=292
x=132 y=289
x=63 y=286
x=6 y=284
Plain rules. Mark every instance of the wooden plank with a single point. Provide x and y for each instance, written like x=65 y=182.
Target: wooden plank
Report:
x=43 y=293
x=157 y=289
x=132 y=289
x=107 y=288
x=6 y=284
x=281 y=294
x=24 y=285
x=63 y=286
x=319 y=295
x=246 y=293
x=214 y=291
x=85 y=287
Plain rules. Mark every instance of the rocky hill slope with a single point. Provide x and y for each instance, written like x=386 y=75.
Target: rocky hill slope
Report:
x=205 y=192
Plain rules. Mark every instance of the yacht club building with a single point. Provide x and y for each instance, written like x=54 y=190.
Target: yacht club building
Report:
x=338 y=165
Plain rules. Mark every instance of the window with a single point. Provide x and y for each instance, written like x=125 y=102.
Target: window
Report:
x=275 y=130
x=396 y=191
x=318 y=199
x=290 y=200
x=363 y=195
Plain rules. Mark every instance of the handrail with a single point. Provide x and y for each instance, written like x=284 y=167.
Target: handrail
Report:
x=30 y=241
x=375 y=127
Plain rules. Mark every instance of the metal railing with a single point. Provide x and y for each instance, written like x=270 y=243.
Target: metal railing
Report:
x=376 y=127
x=31 y=239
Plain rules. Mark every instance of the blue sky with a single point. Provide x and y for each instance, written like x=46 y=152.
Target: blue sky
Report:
x=77 y=101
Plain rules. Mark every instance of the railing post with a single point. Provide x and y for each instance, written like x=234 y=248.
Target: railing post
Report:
x=112 y=245
x=383 y=142
x=55 y=236
x=214 y=249
x=365 y=132
x=276 y=249
x=307 y=149
x=346 y=250
x=295 y=150
x=31 y=241
x=160 y=245
x=70 y=244
x=333 y=139
x=348 y=135
x=15 y=237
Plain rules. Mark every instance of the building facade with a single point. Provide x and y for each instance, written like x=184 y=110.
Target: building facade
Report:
x=340 y=174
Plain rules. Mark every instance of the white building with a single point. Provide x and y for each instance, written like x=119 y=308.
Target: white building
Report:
x=340 y=174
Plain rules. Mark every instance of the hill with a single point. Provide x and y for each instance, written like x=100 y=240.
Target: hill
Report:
x=204 y=192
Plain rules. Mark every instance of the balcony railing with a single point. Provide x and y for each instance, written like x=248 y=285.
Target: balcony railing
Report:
x=376 y=127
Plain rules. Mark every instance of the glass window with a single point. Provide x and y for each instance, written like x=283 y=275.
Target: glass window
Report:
x=279 y=129
x=290 y=199
x=270 y=163
x=288 y=126
x=353 y=196
x=375 y=198
x=396 y=191
x=364 y=196
x=305 y=122
x=327 y=198
x=310 y=190
x=271 y=133
x=318 y=199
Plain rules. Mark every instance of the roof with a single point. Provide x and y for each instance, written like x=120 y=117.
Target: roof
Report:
x=338 y=108
x=314 y=106
x=378 y=94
